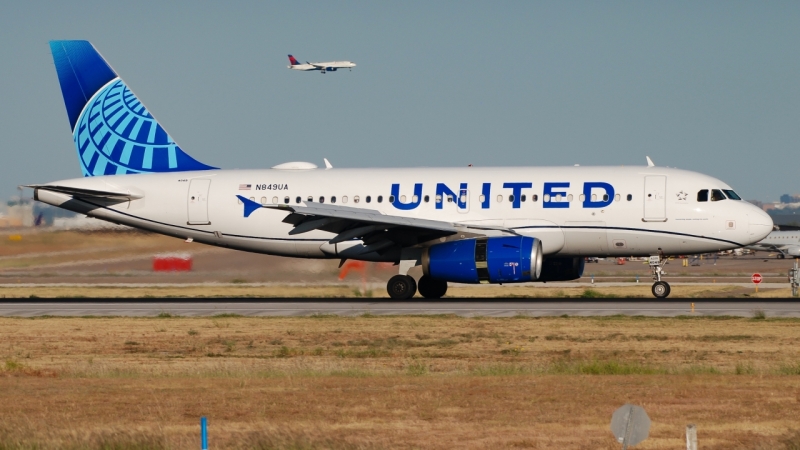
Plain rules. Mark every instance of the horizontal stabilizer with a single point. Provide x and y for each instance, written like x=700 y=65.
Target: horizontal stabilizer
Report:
x=86 y=193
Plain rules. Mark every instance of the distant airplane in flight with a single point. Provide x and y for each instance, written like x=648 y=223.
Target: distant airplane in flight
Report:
x=323 y=67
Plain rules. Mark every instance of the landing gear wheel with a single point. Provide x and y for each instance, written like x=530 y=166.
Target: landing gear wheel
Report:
x=781 y=256
x=661 y=289
x=401 y=287
x=431 y=288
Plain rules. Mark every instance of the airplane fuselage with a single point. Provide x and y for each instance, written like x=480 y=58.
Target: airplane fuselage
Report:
x=330 y=66
x=574 y=211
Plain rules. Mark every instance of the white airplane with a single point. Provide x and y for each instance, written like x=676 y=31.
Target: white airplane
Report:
x=330 y=66
x=783 y=242
x=464 y=225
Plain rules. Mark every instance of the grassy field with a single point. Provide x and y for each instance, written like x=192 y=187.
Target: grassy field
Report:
x=395 y=382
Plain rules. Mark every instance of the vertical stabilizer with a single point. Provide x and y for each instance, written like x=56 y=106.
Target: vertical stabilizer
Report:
x=112 y=130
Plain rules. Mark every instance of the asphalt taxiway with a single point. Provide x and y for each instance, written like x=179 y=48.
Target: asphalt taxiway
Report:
x=353 y=307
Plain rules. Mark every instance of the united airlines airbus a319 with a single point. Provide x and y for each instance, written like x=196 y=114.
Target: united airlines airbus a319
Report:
x=330 y=66
x=463 y=225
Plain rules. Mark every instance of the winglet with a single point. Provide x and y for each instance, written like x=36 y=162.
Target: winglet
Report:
x=328 y=164
x=249 y=205
x=649 y=162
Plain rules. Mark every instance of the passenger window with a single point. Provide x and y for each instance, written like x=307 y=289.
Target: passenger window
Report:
x=616 y=197
x=391 y=198
x=368 y=199
x=344 y=199
x=499 y=199
x=310 y=198
x=322 y=199
x=511 y=198
x=558 y=197
x=252 y=199
x=481 y=198
x=630 y=197
x=263 y=200
x=333 y=199
x=286 y=200
x=717 y=195
x=427 y=198
x=605 y=197
x=356 y=199
x=274 y=200
x=702 y=196
x=731 y=195
x=582 y=197
x=569 y=197
x=449 y=199
x=522 y=198
x=414 y=199
x=546 y=197
x=535 y=198
x=438 y=199
x=298 y=199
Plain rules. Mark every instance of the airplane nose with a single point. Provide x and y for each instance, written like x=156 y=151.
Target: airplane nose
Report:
x=760 y=224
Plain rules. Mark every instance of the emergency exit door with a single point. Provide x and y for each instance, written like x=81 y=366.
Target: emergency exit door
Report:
x=655 y=198
x=197 y=202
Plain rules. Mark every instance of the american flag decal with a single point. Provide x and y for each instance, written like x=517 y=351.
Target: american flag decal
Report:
x=245 y=187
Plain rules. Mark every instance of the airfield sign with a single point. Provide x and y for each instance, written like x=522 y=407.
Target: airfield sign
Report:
x=630 y=425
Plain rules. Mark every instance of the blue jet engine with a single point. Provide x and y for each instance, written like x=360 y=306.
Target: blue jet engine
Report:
x=502 y=259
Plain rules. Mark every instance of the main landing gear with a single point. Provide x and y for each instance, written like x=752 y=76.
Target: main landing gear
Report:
x=660 y=288
x=403 y=287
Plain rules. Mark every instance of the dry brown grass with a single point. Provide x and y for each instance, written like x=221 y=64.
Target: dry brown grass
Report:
x=395 y=382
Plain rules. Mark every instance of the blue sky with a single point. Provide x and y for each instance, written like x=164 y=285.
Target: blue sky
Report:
x=706 y=86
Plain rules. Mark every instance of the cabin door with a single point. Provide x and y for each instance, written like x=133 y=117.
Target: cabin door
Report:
x=197 y=202
x=655 y=198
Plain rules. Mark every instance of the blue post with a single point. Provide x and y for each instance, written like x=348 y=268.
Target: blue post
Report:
x=203 y=433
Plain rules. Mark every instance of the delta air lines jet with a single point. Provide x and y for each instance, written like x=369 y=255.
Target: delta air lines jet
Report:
x=323 y=67
x=463 y=225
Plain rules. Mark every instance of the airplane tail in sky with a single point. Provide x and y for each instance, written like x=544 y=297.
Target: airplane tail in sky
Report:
x=112 y=130
x=293 y=60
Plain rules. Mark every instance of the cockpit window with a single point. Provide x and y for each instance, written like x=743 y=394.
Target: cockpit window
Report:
x=717 y=195
x=731 y=195
x=702 y=196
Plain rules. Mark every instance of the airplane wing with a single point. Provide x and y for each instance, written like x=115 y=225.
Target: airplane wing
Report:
x=86 y=193
x=378 y=231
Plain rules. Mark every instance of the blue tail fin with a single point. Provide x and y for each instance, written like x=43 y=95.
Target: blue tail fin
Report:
x=113 y=131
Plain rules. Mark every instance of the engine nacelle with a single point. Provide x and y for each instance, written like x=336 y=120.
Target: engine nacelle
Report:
x=562 y=269
x=506 y=259
x=793 y=251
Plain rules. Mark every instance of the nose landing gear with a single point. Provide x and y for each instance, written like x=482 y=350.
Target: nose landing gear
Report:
x=660 y=288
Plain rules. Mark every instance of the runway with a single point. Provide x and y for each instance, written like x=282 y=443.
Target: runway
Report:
x=352 y=307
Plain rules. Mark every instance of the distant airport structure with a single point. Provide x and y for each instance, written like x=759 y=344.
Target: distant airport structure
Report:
x=323 y=67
